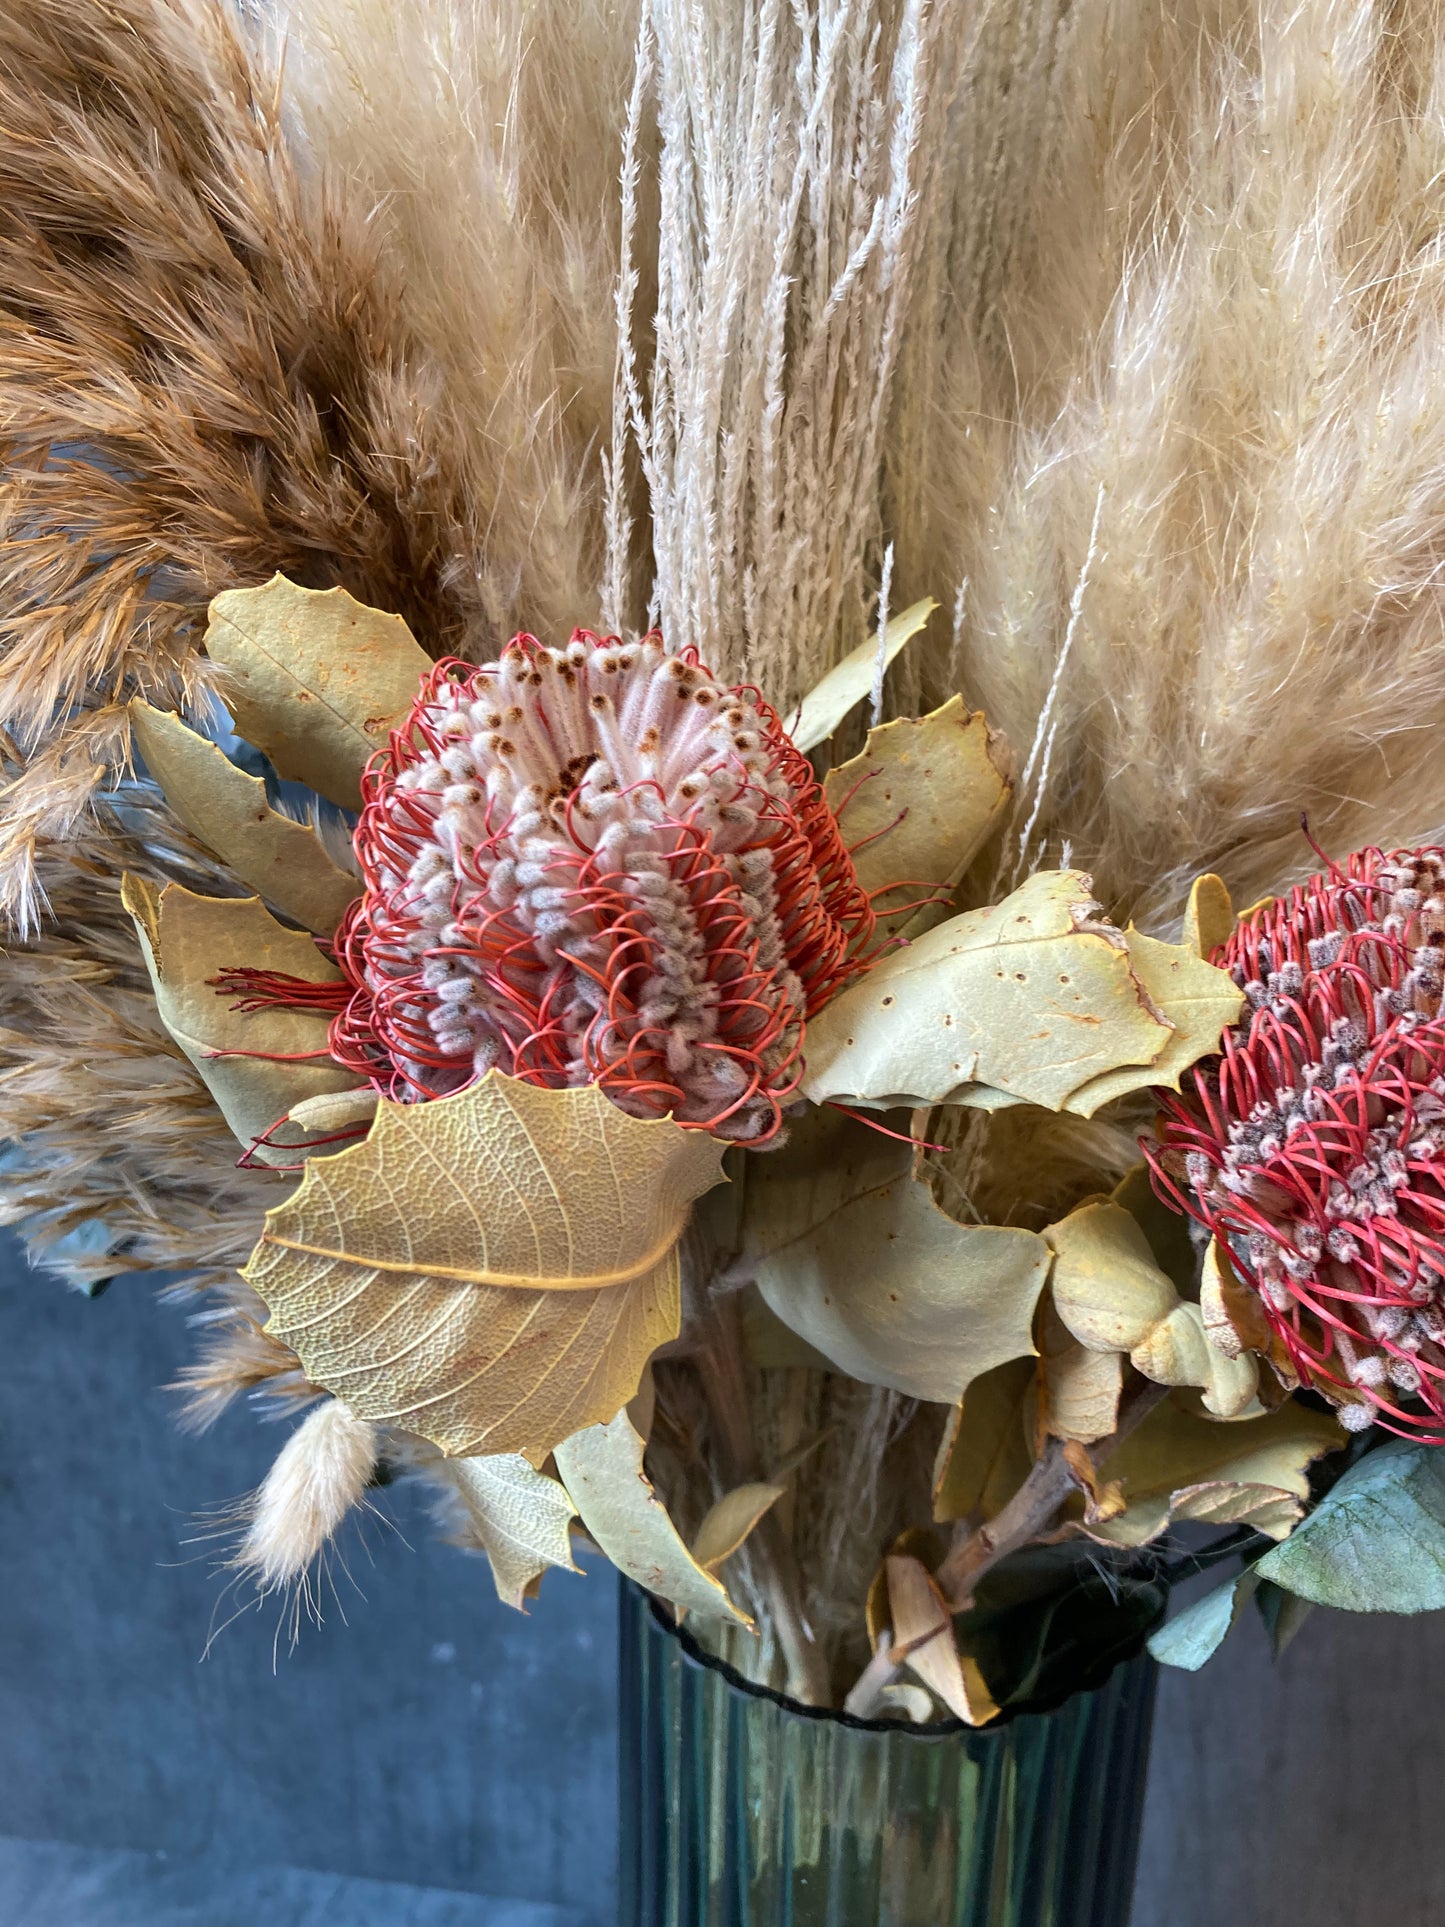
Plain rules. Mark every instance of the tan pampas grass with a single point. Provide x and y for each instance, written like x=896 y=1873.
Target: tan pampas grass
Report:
x=319 y=1477
x=484 y=141
x=205 y=375
x=80 y=1039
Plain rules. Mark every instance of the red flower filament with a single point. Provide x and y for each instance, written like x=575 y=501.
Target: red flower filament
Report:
x=596 y=864
x=1314 y=1147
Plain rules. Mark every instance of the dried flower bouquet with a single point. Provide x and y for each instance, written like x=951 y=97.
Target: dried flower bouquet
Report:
x=620 y=1087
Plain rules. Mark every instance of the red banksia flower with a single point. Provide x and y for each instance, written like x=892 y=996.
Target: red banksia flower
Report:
x=596 y=864
x=1314 y=1147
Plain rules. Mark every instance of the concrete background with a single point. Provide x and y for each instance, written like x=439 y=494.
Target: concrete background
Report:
x=437 y=1761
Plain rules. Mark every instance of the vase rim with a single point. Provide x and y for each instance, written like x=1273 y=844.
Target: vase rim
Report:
x=699 y=1655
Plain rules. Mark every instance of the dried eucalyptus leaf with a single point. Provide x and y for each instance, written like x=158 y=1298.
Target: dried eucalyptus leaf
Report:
x=1375 y=1543
x=517 y=1514
x=986 y=1451
x=284 y=861
x=1030 y=996
x=1079 y=1389
x=601 y=1467
x=1198 y=1000
x=1209 y=918
x=849 y=681
x=918 y=804
x=1176 y=1466
x=336 y=1110
x=1113 y=1297
x=853 y=1255
x=1196 y=1634
x=491 y=1270
x=1168 y=1232
x=317 y=679
x=923 y=1635
x=187 y=940
x=727 y=1524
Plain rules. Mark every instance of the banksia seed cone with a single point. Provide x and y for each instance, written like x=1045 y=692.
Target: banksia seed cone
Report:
x=596 y=864
x=1314 y=1147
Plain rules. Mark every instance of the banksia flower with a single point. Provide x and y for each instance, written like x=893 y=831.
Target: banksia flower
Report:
x=596 y=864
x=1314 y=1148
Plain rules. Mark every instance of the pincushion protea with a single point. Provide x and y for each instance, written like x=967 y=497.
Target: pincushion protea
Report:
x=1314 y=1147
x=596 y=864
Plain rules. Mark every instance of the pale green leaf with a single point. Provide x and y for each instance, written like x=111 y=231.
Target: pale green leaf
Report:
x=187 y=940
x=855 y=1256
x=1196 y=1634
x=918 y=804
x=284 y=861
x=1376 y=1542
x=601 y=1468
x=1198 y=1000
x=516 y=1514
x=849 y=681
x=317 y=679
x=1032 y=997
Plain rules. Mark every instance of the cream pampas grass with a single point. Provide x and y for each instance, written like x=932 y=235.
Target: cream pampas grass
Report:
x=1236 y=478
x=484 y=142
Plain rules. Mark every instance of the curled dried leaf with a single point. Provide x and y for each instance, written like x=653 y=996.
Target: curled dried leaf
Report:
x=857 y=1259
x=849 y=681
x=601 y=1467
x=258 y=1065
x=727 y=1524
x=284 y=861
x=517 y=1515
x=918 y=804
x=923 y=1640
x=1209 y=917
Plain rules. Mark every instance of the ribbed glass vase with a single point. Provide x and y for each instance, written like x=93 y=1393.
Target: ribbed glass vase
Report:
x=741 y=1809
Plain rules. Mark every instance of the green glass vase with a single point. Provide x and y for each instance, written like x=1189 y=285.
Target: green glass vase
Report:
x=742 y=1809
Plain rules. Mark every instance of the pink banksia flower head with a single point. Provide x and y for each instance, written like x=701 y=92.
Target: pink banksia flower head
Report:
x=1313 y=1148
x=596 y=864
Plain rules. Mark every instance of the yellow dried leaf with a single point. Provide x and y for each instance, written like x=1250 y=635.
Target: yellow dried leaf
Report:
x=601 y=1467
x=1167 y=1230
x=849 y=681
x=1032 y=997
x=1079 y=1389
x=317 y=679
x=1198 y=1000
x=854 y=1255
x=918 y=804
x=1176 y=1466
x=727 y=1524
x=188 y=940
x=491 y=1270
x=1112 y=1296
x=517 y=1515
x=335 y=1110
x=284 y=861
x=985 y=1453
x=1233 y=1316
x=1209 y=918
x=923 y=1638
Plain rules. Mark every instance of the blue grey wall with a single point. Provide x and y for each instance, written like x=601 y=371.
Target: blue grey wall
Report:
x=440 y=1762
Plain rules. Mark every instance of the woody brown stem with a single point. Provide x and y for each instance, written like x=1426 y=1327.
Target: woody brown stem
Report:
x=1032 y=1509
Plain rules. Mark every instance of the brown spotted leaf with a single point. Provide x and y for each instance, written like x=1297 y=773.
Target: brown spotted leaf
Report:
x=491 y=1270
